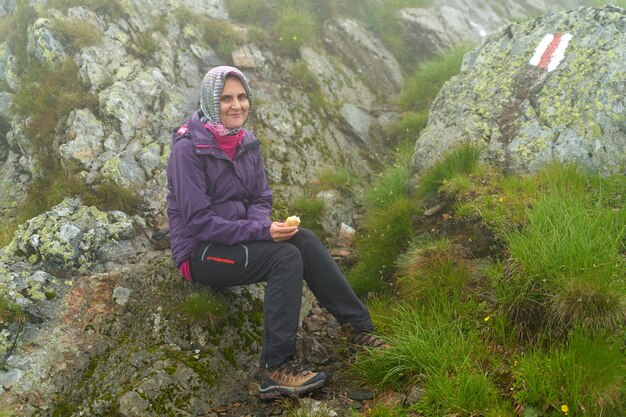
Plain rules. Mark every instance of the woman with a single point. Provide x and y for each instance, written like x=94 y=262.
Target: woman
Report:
x=219 y=208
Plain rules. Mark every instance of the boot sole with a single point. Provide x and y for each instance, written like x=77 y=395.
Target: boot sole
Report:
x=277 y=391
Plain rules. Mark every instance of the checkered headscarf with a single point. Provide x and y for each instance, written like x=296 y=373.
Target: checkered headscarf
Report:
x=211 y=90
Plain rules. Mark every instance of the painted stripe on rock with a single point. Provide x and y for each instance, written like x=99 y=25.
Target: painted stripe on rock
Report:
x=550 y=51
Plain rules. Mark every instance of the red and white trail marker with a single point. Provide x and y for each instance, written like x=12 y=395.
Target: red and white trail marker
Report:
x=550 y=51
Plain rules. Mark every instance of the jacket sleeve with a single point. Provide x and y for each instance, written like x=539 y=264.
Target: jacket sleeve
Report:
x=188 y=181
x=260 y=206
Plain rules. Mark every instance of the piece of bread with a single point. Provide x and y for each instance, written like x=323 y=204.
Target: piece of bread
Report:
x=292 y=221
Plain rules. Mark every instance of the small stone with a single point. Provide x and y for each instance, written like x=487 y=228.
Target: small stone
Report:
x=360 y=395
x=131 y=404
x=313 y=323
x=121 y=295
x=415 y=395
x=9 y=378
x=253 y=388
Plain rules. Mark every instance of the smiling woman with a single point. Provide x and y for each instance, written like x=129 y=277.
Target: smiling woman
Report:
x=219 y=208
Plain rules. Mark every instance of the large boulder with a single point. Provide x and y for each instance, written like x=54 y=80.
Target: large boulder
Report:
x=74 y=237
x=548 y=89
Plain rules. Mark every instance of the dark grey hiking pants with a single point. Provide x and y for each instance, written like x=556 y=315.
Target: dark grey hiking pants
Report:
x=282 y=265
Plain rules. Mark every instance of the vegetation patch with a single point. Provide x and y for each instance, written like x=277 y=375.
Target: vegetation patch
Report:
x=422 y=87
x=111 y=8
x=75 y=34
x=203 y=308
x=535 y=331
x=387 y=227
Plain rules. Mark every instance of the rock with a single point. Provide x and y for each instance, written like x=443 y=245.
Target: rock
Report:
x=527 y=115
x=415 y=395
x=43 y=45
x=121 y=295
x=85 y=134
x=9 y=378
x=360 y=395
x=72 y=236
x=336 y=81
x=132 y=405
x=345 y=236
x=365 y=50
x=338 y=210
x=314 y=323
x=248 y=56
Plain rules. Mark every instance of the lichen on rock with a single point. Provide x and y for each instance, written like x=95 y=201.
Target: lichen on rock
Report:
x=74 y=237
x=527 y=115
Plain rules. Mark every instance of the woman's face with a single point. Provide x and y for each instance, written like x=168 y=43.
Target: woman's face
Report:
x=234 y=104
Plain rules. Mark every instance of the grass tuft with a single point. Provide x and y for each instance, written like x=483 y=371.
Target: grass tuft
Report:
x=337 y=179
x=293 y=29
x=10 y=312
x=387 y=232
x=423 y=86
x=586 y=375
x=431 y=266
x=203 y=308
x=569 y=262
x=76 y=34
x=461 y=160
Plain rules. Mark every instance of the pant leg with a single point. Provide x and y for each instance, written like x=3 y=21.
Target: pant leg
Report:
x=280 y=264
x=328 y=284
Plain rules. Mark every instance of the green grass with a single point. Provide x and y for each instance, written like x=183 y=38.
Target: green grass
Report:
x=46 y=95
x=10 y=312
x=464 y=393
x=337 y=179
x=201 y=307
x=409 y=126
x=221 y=36
x=424 y=85
x=461 y=160
x=431 y=266
x=258 y=12
x=571 y=254
x=392 y=182
x=14 y=28
x=387 y=226
x=310 y=210
x=586 y=375
x=111 y=8
x=293 y=29
x=44 y=193
x=75 y=34
x=537 y=329
x=387 y=232
x=425 y=341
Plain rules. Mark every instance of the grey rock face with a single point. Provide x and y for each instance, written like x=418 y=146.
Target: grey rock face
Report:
x=43 y=45
x=85 y=134
x=364 y=50
x=528 y=113
x=72 y=236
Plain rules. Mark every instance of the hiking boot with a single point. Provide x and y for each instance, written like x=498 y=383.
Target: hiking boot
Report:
x=364 y=338
x=290 y=379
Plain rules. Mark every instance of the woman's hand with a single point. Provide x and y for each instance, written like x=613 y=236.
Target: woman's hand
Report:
x=279 y=232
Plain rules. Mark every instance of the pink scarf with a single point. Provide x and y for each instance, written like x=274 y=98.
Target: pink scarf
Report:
x=228 y=143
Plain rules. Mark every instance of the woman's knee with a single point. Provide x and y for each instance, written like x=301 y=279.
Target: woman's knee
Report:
x=289 y=257
x=304 y=236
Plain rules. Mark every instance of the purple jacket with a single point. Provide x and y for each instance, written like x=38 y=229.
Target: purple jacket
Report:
x=211 y=197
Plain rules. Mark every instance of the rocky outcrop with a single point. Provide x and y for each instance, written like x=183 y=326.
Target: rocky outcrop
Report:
x=548 y=89
x=101 y=331
x=447 y=23
x=71 y=237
